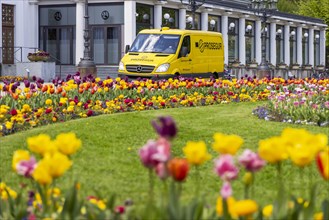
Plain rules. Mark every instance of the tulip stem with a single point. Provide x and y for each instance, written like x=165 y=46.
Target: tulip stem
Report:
x=197 y=182
x=151 y=181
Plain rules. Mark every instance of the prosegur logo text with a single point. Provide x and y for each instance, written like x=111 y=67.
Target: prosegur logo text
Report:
x=209 y=45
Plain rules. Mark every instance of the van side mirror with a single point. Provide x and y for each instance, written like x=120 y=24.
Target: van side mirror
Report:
x=183 y=52
x=127 y=48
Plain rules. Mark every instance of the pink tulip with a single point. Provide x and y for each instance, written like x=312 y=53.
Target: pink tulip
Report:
x=251 y=161
x=225 y=167
x=226 y=190
x=146 y=154
x=155 y=152
x=26 y=167
x=163 y=150
x=162 y=171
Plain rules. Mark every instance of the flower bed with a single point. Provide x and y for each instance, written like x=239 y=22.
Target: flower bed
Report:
x=304 y=103
x=35 y=103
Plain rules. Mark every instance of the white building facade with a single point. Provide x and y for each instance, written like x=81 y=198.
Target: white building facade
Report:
x=57 y=26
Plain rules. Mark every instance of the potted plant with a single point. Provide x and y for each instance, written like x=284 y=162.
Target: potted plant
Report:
x=40 y=55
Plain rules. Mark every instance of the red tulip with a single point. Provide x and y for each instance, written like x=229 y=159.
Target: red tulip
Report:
x=178 y=168
x=322 y=160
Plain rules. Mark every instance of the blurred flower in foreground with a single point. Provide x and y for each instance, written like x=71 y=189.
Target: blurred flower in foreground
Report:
x=26 y=167
x=20 y=155
x=251 y=161
x=178 y=169
x=227 y=144
x=322 y=160
x=41 y=144
x=273 y=150
x=225 y=167
x=196 y=152
x=67 y=143
x=165 y=126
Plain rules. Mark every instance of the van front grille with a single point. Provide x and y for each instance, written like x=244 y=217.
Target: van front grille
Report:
x=139 y=68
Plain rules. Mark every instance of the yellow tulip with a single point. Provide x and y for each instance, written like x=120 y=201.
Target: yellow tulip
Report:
x=318 y=216
x=301 y=155
x=41 y=173
x=267 y=211
x=227 y=144
x=244 y=207
x=273 y=150
x=219 y=205
x=20 y=155
x=67 y=143
x=196 y=152
x=41 y=144
x=57 y=164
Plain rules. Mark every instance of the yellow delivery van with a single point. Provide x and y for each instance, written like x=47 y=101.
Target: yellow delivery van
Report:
x=165 y=53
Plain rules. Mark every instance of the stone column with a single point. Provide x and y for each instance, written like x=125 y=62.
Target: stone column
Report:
x=258 y=41
x=204 y=21
x=311 y=46
x=323 y=47
x=286 y=39
x=299 y=38
x=182 y=18
x=225 y=36
x=273 y=43
x=157 y=15
x=79 y=29
x=129 y=21
x=242 y=40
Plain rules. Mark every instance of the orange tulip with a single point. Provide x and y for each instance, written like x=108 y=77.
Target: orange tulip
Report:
x=178 y=168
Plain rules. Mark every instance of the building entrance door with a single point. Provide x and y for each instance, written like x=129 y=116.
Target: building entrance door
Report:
x=106 y=41
x=8 y=34
x=59 y=43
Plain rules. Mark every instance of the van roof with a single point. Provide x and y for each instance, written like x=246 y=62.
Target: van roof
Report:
x=166 y=30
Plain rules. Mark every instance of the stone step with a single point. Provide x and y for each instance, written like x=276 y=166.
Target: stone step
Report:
x=102 y=71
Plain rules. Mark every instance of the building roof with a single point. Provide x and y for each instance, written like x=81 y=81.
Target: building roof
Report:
x=245 y=5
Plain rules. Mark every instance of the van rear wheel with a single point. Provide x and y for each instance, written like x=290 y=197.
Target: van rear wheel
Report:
x=215 y=75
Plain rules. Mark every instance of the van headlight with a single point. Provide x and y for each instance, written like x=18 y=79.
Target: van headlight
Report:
x=121 y=66
x=163 y=68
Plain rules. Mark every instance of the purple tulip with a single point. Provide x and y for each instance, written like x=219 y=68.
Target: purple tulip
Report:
x=26 y=167
x=225 y=168
x=165 y=126
x=251 y=161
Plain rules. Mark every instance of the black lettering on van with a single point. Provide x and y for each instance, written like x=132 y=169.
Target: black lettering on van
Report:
x=209 y=45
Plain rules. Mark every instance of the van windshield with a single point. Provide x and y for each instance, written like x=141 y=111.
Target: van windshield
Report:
x=155 y=43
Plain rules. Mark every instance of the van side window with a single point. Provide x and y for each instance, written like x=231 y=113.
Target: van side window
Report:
x=186 y=47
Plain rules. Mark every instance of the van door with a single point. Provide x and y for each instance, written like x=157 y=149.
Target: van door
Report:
x=185 y=56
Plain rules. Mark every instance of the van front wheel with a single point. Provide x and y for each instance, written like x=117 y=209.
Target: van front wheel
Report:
x=215 y=75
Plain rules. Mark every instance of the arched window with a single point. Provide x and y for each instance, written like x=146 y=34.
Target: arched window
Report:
x=250 y=41
x=144 y=17
x=233 y=39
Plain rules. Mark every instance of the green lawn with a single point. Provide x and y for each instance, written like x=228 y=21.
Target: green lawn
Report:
x=108 y=161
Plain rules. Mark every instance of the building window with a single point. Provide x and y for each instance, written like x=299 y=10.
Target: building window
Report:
x=144 y=17
x=305 y=43
x=214 y=23
x=279 y=44
x=316 y=48
x=250 y=41
x=172 y=21
x=189 y=19
x=293 y=45
x=233 y=39
x=8 y=31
